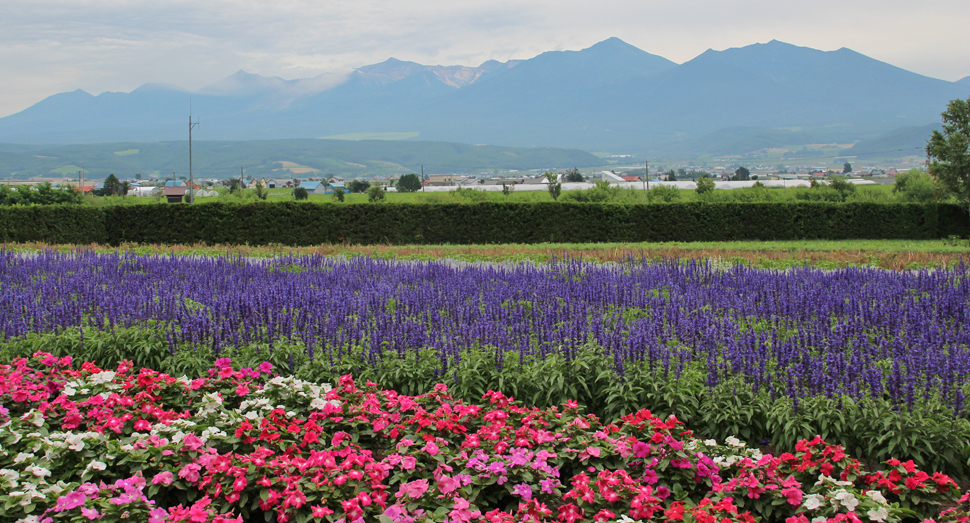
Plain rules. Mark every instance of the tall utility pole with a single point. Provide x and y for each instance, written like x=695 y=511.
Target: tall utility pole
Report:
x=191 y=179
x=422 y=178
x=646 y=176
x=242 y=179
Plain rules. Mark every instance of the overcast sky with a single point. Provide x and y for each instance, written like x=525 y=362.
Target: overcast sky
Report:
x=52 y=46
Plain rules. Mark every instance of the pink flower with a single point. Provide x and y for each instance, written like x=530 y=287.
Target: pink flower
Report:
x=90 y=513
x=190 y=472
x=414 y=489
x=165 y=478
x=641 y=450
x=523 y=490
x=242 y=390
x=431 y=448
x=157 y=515
x=320 y=512
x=71 y=500
x=192 y=441
x=793 y=495
x=266 y=367
x=447 y=484
x=408 y=462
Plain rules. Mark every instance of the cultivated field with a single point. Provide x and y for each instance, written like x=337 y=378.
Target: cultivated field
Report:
x=352 y=383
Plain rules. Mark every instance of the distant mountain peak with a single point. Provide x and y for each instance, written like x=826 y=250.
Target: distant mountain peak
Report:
x=964 y=81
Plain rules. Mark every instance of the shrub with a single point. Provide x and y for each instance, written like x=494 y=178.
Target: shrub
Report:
x=705 y=185
x=300 y=193
x=375 y=194
x=358 y=186
x=409 y=183
x=916 y=186
x=663 y=193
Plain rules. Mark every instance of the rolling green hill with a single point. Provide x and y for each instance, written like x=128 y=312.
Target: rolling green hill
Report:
x=280 y=158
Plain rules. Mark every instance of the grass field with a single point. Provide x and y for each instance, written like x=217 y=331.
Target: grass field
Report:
x=887 y=254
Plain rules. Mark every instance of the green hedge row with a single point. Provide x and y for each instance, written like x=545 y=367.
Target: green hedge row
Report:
x=304 y=223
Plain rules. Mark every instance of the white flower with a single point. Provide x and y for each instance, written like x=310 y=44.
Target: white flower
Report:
x=846 y=499
x=75 y=442
x=820 y=519
x=710 y=442
x=56 y=488
x=38 y=471
x=876 y=496
x=22 y=457
x=97 y=465
x=733 y=442
x=10 y=474
x=102 y=377
x=813 y=501
x=69 y=391
x=318 y=404
x=879 y=514
x=34 y=417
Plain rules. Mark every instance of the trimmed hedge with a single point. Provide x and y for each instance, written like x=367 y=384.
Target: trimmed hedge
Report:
x=65 y=224
x=304 y=223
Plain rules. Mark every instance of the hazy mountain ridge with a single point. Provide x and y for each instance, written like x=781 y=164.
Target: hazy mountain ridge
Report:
x=610 y=96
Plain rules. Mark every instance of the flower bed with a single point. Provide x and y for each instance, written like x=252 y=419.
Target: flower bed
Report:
x=876 y=361
x=247 y=445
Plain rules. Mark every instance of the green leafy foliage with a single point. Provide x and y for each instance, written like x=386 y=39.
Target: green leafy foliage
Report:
x=872 y=428
x=573 y=176
x=42 y=194
x=916 y=186
x=705 y=185
x=300 y=193
x=305 y=223
x=409 y=183
x=358 y=186
x=376 y=194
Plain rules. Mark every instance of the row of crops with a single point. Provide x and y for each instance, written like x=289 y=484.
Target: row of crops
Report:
x=875 y=360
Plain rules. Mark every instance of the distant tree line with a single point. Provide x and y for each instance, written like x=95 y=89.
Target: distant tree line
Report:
x=43 y=194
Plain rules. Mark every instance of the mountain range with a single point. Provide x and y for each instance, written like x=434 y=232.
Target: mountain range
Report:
x=610 y=97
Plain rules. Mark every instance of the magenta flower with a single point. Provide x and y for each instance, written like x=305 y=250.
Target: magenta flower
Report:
x=641 y=450
x=523 y=490
x=71 y=500
x=192 y=441
x=408 y=462
x=190 y=472
x=266 y=367
x=165 y=478
x=414 y=489
x=157 y=515
x=447 y=484
x=90 y=513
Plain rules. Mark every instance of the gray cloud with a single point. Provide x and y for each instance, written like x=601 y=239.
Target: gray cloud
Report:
x=50 y=46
